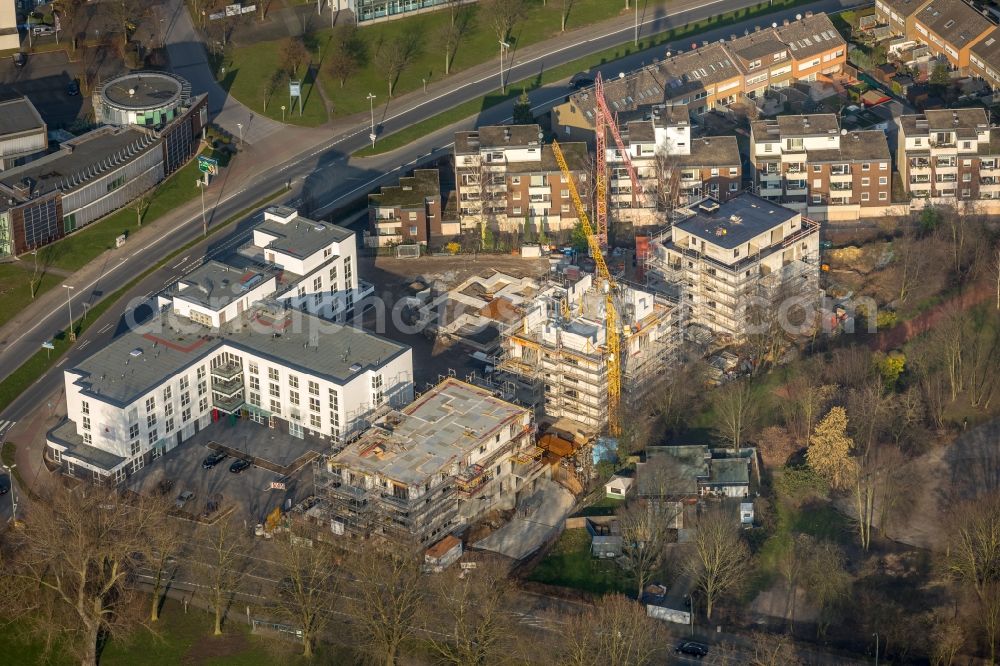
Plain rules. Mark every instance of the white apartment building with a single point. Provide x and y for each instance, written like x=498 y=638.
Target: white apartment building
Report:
x=429 y=469
x=226 y=341
x=722 y=259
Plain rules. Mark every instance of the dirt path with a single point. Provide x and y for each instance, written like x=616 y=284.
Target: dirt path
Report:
x=895 y=337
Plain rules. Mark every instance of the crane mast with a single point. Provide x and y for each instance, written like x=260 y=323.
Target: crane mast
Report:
x=607 y=284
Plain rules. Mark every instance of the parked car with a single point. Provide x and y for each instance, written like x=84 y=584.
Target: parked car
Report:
x=239 y=466
x=213 y=459
x=184 y=498
x=581 y=80
x=692 y=649
x=41 y=30
x=73 y=89
x=20 y=59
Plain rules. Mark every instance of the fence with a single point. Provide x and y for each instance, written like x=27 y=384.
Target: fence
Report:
x=408 y=251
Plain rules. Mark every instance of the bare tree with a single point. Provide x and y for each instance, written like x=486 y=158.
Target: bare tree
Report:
x=737 y=409
x=995 y=270
x=275 y=84
x=719 y=559
x=387 y=597
x=70 y=567
x=225 y=565
x=644 y=526
x=565 y=7
x=502 y=15
x=293 y=55
x=454 y=31
x=392 y=58
x=773 y=650
x=310 y=572
x=347 y=53
x=141 y=204
x=615 y=631
x=973 y=559
x=668 y=180
x=806 y=398
x=825 y=579
x=676 y=392
x=470 y=623
x=163 y=543
x=947 y=638
x=126 y=14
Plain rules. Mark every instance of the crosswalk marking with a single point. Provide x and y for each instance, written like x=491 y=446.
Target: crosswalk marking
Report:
x=5 y=426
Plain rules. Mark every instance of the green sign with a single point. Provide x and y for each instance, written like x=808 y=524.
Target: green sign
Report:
x=208 y=165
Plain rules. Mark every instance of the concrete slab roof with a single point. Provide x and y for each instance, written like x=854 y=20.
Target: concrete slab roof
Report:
x=215 y=284
x=437 y=430
x=302 y=236
x=711 y=151
x=18 y=115
x=65 y=435
x=412 y=191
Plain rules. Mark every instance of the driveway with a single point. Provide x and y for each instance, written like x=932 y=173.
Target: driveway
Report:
x=537 y=517
x=44 y=80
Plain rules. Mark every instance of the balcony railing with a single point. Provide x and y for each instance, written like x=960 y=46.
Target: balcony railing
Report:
x=228 y=370
x=227 y=386
x=228 y=404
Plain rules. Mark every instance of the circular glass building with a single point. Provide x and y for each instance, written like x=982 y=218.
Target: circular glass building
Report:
x=144 y=98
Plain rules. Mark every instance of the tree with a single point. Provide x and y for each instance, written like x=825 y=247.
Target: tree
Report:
x=275 y=84
x=163 y=543
x=947 y=638
x=940 y=75
x=825 y=579
x=773 y=650
x=454 y=31
x=347 y=53
x=386 y=598
x=225 y=566
x=141 y=205
x=676 y=393
x=502 y=15
x=806 y=398
x=719 y=559
x=829 y=452
x=737 y=408
x=309 y=573
x=578 y=239
x=471 y=607
x=293 y=55
x=644 y=527
x=70 y=568
x=995 y=270
x=126 y=15
x=522 y=110
x=393 y=57
x=973 y=559
x=616 y=631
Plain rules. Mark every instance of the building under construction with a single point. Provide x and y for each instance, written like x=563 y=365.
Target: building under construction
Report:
x=736 y=265
x=558 y=350
x=432 y=468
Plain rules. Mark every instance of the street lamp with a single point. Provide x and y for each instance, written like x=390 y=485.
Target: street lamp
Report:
x=503 y=84
x=240 y=127
x=200 y=184
x=282 y=113
x=13 y=505
x=371 y=105
x=875 y=634
x=637 y=23
x=69 y=304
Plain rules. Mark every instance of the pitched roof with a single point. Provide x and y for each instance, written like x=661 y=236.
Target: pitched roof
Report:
x=955 y=21
x=810 y=36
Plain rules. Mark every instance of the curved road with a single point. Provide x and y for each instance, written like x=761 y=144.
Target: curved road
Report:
x=325 y=178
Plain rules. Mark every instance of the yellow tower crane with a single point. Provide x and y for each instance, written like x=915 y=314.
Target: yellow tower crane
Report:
x=607 y=284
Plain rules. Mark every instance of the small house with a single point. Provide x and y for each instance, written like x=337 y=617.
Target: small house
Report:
x=746 y=515
x=443 y=554
x=618 y=487
x=605 y=537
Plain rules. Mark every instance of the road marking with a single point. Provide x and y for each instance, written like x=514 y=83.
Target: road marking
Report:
x=84 y=344
x=61 y=361
x=5 y=426
x=106 y=327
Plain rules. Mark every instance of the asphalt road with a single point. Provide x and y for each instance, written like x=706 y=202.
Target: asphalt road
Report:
x=326 y=178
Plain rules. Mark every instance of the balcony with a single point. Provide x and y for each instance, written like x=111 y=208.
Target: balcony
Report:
x=228 y=370
x=795 y=168
x=841 y=187
x=920 y=167
x=769 y=175
x=841 y=170
x=841 y=178
x=471 y=479
x=916 y=180
x=227 y=404
x=541 y=198
x=946 y=178
x=227 y=387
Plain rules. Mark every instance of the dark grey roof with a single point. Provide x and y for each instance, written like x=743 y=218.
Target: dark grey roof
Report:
x=504 y=136
x=810 y=125
x=955 y=21
x=301 y=237
x=412 y=191
x=729 y=472
x=138 y=91
x=944 y=120
x=17 y=115
x=711 y=151
x=736 y=221
x=988 y=49
x=80 y=160
x=905 y=7
x=640 y=131
x=855 y=147
x=66 y=435
x=810 y=36
x=142 y=358
x=215 y=284
x=756 y=45
x=575 y=153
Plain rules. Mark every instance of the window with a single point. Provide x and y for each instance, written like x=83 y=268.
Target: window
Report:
x=817 y=198
x=86 y=423
x=883 y=166
x=515 y=180
x=865 y=182
x=272 y=374
x=168 y=409
x=377 y=395
x=151 y=420
x=133 y=431
x=348 y=273
x=516 y=210
x=413 y=231
x=883 y=180
x=185 y=399
x=736 y=252
x=715 y=171
x=276 y=407
x=251 y=367
x=413 y=216
x=169 y=425
x=318 y=283
x=866 y=166
x=152 y=437
x=733 y=171
x=201 y=372
x=255 y=399
x=516 y=196
x=817 y=168
x=315 y=422
x=84 y=407
x=564 y=209
x=274 y=390
x=133 y=449
x=293 y=381
x=883 y=196
x=167 y=394
x=327 y=252
x=186 y=415
x=185 y=382
x=864 y=196
x=255 y=383
x=202 y=388
x=564 y=194
x=314 y=404
x=150 y=404
x=313 y=388
x=733 y=187
x=293 y=397
x=203 y=405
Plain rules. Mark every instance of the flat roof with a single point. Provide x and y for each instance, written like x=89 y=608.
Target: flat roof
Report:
x=575 y=153
x=711 y=151
x=439 y=428
x=730 y=471
x=141 y=359
x=682 y=467
x=808 y=125
x=736 y=221
x=143 y=90
x=412 y=191
x=215 y=284
x=65 y=434
x=856 y=146
x=504 y=136
x=79 y=160
x=301 y=236
x=17 y=115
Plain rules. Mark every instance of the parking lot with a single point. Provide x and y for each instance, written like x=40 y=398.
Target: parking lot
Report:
x=248 y=494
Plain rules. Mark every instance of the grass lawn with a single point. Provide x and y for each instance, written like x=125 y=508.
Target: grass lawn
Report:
x=473 y=107
x=179 y=638
x=15 y=286
x=77 y=250
x=248 y=72
x=569 y=564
